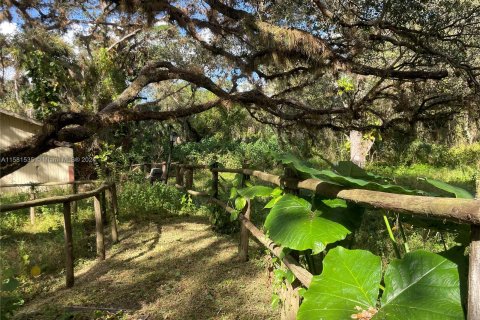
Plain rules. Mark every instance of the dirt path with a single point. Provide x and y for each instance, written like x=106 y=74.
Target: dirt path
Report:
x=174 y=269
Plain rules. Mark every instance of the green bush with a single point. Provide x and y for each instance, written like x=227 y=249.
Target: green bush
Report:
x=437 y=155
x=464 y=155
x=422 y=152
x=143 y=198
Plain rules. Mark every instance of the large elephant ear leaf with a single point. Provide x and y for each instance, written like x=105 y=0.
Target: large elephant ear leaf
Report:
x=350 y=169
x=292 y=223
x=333 y=177
x=297 y=164
x=255 y=191
x=347 y=214
x=348 y=286
x=455 y=191
x=422 y=285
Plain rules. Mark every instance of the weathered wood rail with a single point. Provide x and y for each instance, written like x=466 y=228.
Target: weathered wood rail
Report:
x=34 y=187
x=67 y=200
x=462 y=211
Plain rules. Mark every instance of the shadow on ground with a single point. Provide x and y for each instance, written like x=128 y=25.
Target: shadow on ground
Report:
x=173 y=268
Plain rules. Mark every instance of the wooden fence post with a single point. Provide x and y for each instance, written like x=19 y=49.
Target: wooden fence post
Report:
x=67 y=231
x=99 y=227
x=112 y=208
x=74 y=203
x=179 y=175
x=189 y=178
x=244 y=233
x=290 y=301
x=164 y=171
x=215 y=180
x=473 y=312
x=288 y=174
x=474 y=275
x=291 y=297
x=32 y=209
x=103 y=206
x=245 y=177
x=115 y=204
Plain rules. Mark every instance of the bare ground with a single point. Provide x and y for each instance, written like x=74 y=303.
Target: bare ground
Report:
x=171 y=268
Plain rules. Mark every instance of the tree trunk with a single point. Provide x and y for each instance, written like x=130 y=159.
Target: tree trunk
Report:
x=359 y=148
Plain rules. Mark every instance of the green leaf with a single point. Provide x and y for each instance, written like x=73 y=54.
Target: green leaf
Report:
x=237 y=180
x=255 y=191
x=457 y=255
x=422 y=285
x=456 y=191
x=276 y=192
x=272 y=202
x=350 y=169
x=10 y=284
x=332 y=177
x=289 y=276
x=347 y=214
x=291 y=223
x=233 y=193
x=349 y=280
x=301 y=292
x=299 y=165
x=348 y=175
x=240 y=203
x=234 y=215
x=275 y=301
x=279 y=274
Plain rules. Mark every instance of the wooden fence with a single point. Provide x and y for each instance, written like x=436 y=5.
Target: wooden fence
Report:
x=462 y=211
x=104 y=191
x=35 y=186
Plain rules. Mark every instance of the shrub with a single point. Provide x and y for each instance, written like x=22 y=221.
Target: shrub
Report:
x=143 y=198
x=464 y=155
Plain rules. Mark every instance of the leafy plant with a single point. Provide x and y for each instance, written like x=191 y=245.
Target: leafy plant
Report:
x=46 y=76
x=140 y=198
x=422 y=285
x=347 y=174
x=455 y=191
x=10 y=299
x=292 y=223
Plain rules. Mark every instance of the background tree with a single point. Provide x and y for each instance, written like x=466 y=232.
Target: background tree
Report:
x=355 y=65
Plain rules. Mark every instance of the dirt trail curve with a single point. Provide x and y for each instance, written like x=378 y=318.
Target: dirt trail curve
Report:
x=176 y=268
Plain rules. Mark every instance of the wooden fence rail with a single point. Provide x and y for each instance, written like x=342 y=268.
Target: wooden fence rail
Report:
x=48 y=184
x=303 y=275
x=67 y=201
x=465 y=211
x=35 y=185
x=462 y=211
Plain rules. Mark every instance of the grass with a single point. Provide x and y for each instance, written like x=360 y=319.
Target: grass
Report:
x=25 y=246
x=167 y=268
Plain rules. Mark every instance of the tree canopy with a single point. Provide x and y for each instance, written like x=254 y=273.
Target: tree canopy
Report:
x=344 y=65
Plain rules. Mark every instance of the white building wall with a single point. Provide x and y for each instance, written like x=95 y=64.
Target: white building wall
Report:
x=53 y=166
